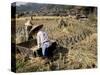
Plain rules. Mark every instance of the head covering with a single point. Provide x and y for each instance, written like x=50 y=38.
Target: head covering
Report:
x=35 y=28
x=28 y=23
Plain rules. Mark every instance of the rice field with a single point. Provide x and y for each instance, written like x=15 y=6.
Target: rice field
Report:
x=76 y=44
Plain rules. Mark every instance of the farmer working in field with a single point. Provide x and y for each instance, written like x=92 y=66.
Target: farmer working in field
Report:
x=42 y=39
x=28 y=26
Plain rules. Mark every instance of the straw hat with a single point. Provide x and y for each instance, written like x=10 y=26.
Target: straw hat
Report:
x=28 y=23
x=35 y=28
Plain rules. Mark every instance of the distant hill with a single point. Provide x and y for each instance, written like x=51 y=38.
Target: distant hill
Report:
x=35 y=7
x=49 y=9
x=29 y=7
